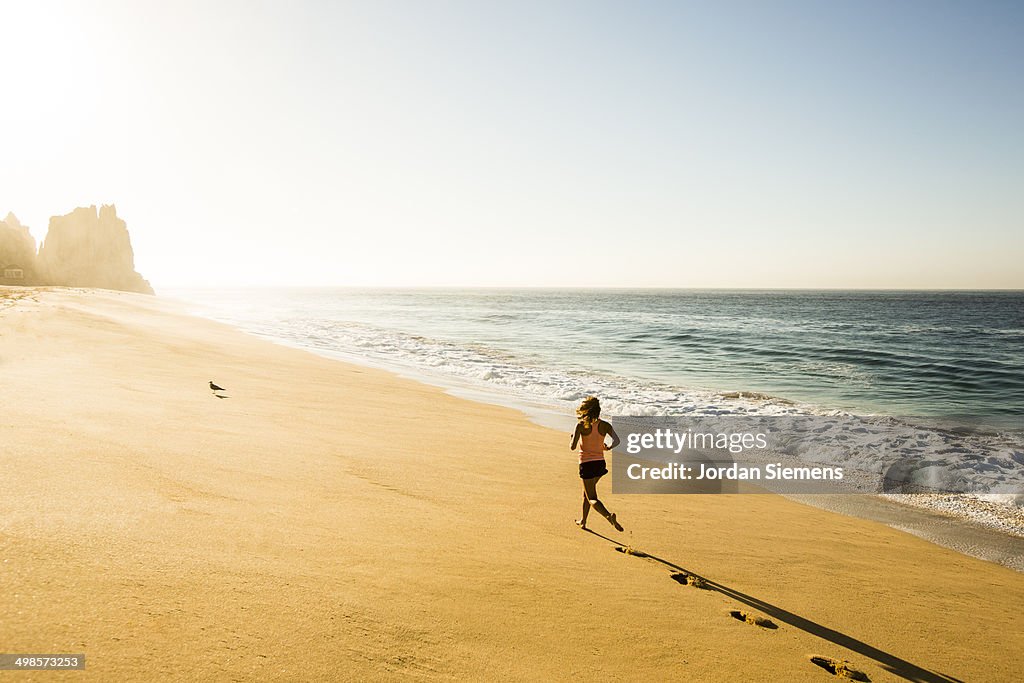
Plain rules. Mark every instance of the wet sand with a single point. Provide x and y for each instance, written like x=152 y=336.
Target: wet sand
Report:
x=946 y=530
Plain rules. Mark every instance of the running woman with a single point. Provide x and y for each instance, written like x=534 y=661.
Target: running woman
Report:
x=590 y=433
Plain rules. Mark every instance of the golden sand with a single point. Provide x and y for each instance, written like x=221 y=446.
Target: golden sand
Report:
x=334 y=522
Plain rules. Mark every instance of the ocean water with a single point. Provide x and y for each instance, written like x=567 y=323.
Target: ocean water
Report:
x=945 y=357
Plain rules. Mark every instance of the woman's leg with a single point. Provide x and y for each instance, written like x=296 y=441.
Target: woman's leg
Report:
x=590 y=487
x=582 y=521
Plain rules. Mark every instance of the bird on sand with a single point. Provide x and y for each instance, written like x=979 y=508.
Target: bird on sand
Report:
x=214 y=387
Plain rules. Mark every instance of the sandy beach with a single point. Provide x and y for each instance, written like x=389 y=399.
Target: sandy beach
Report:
x=329 y=521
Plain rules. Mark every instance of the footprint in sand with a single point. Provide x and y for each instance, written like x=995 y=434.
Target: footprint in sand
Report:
x=753 y=619
x=840 y=669
x=690 y=580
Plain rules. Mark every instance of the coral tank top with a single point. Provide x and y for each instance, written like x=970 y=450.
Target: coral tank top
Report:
x=592 y=445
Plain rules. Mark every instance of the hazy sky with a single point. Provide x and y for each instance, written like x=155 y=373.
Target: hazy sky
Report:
x=761 y=144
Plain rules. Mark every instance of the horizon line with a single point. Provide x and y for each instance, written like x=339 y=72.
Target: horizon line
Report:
x=590 y=287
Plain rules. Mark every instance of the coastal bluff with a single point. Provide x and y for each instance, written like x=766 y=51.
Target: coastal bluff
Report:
x=17 y=251
x=88 y=247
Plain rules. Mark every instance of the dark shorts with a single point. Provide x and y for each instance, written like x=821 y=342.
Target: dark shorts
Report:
x=592 y=468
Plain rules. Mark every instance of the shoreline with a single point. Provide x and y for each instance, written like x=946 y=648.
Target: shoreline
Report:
x=331 y=520
x=468 y=339
x=973 y=527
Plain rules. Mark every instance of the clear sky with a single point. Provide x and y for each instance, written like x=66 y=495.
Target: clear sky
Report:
x=760 y=144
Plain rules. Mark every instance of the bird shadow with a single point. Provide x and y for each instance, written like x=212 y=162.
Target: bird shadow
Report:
x=219 y=396
x=886 y=660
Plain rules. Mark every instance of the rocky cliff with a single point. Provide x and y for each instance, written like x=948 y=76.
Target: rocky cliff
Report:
x=90 y=248
x=17 y=252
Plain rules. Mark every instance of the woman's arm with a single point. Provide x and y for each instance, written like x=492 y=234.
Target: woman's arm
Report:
x=575 y=437
x=615 y=437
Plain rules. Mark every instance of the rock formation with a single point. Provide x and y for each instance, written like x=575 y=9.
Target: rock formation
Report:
x=17 y=253
x=87 y=248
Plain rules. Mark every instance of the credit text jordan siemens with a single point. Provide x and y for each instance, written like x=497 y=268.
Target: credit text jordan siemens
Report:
x=677 y=441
